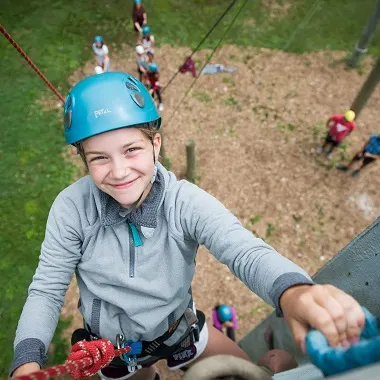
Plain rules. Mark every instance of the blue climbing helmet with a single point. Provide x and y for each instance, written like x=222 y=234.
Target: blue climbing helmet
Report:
x=137 y=1
x=98 y=39
x=153 y=67
x=102 y=103
x=224 y=313
x=145 y=30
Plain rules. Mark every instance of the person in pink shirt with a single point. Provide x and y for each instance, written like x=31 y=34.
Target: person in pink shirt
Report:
x=339 y=126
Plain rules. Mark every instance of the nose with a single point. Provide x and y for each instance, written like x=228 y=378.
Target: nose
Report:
x=120 y=169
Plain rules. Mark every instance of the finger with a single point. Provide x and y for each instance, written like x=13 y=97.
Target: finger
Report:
x=336 y=311
x=299 y=331
x=354 y=315
x=319 y=318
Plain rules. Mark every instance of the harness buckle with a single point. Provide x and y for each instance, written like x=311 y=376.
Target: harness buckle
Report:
x=195 y=331
x=130 y=358
x=192 y=322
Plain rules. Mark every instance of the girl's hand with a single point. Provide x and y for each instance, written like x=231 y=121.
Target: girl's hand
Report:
x=325 y=308
x=26 y=368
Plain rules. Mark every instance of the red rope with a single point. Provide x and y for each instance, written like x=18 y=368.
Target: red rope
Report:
x=85 y=360
x=35 y=68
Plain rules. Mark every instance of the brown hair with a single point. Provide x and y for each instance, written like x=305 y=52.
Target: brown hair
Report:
x=148 y=129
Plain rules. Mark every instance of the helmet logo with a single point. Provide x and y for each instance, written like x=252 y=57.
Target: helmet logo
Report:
x=101 y=112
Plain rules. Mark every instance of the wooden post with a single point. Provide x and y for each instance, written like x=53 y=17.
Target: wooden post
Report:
x=165 y=160
x=367 y=36
x=367 y=89
x=190 y=158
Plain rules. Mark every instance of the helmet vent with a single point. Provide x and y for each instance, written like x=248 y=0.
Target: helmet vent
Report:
x=133 y=80
x=67 y=119
x=138 y=99
x=69 y=102
x=131 y=87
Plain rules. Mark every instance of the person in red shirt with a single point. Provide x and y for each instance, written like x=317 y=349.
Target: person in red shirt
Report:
x=139 y=17
x=154 y=83
x=339 y=127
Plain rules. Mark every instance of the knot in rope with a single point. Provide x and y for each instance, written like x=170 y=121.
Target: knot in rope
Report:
x=87 y=358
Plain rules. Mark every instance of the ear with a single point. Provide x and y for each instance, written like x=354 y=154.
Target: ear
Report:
x=157 y=145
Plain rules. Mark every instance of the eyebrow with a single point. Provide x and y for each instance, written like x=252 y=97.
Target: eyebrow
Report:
x=124 y=147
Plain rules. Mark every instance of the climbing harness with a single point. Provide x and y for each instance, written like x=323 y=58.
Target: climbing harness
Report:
x=334 y=360
x=34 y=67
x=146 y=353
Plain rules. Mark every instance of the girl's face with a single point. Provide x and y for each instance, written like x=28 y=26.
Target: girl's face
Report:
x=121 y=163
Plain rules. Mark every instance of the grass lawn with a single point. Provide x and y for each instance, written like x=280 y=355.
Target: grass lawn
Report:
x=58 y=35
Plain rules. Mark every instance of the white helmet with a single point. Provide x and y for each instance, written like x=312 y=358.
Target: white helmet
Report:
x=98 y=70
x=140 y=49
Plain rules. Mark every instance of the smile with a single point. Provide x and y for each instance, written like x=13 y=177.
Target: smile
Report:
x=124 y=185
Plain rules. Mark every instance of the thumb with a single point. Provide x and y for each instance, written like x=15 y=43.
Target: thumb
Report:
x=299 y=331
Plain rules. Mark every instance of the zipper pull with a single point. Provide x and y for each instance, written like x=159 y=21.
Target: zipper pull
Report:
x=135 y=234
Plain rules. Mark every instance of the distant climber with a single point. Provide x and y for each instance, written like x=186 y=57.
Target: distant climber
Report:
x=370 y=153
x=102 y=54
x=339 y=126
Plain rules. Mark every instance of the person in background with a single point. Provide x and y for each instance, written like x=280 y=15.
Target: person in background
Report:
x=147 y=40
x=370 y=153
x=139 y=17
x=150 y=57
x=339 y=126
x=141 y=63
x=102 y=54
x=154 y=83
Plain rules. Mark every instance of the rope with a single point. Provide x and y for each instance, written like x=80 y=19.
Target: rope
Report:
x=203 y=40
x=307 y=18
x=223 y=366
x=34 y=67
x=85 y=360
x=207 y=61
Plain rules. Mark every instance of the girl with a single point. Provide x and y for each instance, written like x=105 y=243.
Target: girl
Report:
x=130 y=231
x=147 y=40
x=139 y=17
x=101 y=51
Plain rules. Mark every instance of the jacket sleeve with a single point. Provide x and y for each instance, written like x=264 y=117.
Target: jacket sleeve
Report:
x=60 y=254
x=259 y=266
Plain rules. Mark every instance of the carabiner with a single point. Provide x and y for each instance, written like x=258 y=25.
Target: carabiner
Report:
x=129 y=358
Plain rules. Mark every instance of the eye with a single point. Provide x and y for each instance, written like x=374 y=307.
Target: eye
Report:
x=131 y=150
x=97 y=158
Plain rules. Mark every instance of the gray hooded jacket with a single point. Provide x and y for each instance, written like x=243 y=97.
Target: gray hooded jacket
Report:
x=134 y=269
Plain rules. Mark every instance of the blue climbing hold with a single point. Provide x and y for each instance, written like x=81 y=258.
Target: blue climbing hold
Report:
x=334 y=360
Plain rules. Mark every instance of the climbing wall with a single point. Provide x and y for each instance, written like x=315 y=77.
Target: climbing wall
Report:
x=356 y=270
